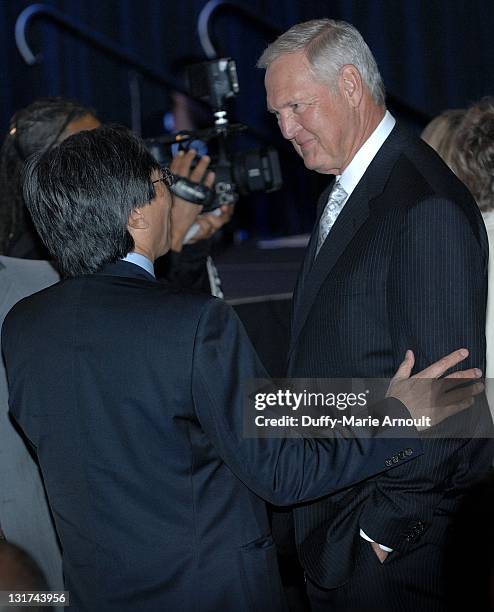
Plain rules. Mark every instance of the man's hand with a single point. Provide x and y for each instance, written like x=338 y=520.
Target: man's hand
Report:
x=184 y=214
x=381 y=554
x=433 y=399
x=425 y=395
x=209 y=223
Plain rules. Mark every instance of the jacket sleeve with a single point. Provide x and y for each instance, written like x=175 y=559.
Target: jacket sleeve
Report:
x=187 y=269
x=281 y=470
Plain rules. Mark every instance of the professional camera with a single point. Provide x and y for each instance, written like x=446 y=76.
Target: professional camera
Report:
x=237 y=173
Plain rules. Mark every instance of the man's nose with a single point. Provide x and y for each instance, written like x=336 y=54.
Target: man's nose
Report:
x=288 y=126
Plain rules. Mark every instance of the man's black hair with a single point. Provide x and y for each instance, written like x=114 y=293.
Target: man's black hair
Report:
x=80 y=195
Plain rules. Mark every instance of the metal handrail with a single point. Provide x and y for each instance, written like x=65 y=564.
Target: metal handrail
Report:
x=212 y=7
x=88 y=35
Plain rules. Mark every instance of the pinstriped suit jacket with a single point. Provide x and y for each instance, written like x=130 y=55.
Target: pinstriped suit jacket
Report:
x=404 y=266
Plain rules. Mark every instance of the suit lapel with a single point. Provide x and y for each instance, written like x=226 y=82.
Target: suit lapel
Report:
x=354 y=214
x=310 y=251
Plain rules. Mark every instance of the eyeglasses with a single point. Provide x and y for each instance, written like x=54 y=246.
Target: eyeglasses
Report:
x=166 y=177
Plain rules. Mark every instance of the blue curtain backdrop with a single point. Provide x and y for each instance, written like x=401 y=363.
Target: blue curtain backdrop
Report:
x=432 y=55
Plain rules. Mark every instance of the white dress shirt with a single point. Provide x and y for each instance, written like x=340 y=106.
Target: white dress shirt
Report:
x=355 y=170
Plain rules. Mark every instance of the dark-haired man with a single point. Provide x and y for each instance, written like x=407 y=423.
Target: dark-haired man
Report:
x=135 y=408
x=43 y=124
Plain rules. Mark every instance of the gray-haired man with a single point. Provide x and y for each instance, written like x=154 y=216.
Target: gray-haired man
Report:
x=397 y=260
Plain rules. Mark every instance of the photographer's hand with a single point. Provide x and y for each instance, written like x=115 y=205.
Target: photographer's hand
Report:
x=184 y=214
x=209 y=223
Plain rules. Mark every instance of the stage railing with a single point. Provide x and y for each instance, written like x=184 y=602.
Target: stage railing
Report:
x=96 y=40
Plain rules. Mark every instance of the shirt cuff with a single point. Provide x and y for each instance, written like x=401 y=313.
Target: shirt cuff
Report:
x=381 y=546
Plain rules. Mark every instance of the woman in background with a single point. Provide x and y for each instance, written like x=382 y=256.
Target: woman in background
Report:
x=473 y=162
x=465 y=141
x=441 y=131
x=38 y=127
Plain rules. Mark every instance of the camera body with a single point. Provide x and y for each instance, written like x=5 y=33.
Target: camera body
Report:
x=237 y=173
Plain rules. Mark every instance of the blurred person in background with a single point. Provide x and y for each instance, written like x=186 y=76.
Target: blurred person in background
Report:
x=441 y=131
x=473 y=162
x=465 y=141
x=18 y=571
x=39 y=127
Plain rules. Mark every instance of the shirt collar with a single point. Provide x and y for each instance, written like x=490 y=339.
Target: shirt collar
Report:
x=357 y=167
x=141 y=261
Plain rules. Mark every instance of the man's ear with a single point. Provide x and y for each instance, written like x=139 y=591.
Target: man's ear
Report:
x=351 y=86
x=137 y=219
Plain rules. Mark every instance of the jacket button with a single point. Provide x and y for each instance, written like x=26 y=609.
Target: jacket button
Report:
x=388 y=462
x=401 y=454
x=395 y=459
x=408 y=452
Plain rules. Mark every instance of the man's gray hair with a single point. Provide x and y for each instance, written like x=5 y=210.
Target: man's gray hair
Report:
x=329 y=45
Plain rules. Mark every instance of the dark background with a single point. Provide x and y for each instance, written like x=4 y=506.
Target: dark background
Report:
x=433 y=55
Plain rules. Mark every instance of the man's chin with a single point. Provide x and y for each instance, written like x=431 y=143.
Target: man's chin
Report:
x=309 y=161
x=312 y=164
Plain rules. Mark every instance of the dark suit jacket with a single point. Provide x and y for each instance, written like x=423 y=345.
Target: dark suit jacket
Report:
x=404 y=266
x=131 y=395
